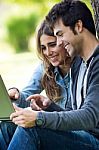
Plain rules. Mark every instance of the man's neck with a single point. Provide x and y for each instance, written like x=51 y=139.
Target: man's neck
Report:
x=89 y=45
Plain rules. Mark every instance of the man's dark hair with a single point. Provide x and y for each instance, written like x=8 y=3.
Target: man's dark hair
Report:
x=70 y=11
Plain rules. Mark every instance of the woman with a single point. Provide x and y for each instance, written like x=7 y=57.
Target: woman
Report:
x=51 y=75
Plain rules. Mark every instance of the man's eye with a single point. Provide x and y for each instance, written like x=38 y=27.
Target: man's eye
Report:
x=60 y=34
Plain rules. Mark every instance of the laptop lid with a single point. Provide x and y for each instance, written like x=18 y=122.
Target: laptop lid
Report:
x=6 y=107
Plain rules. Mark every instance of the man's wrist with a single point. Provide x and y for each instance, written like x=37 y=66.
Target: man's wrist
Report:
x=40 y=121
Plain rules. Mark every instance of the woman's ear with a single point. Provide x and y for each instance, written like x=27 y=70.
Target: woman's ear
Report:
x=79 y=27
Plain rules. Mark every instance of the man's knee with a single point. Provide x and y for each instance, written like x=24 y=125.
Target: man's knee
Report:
x=7 y=130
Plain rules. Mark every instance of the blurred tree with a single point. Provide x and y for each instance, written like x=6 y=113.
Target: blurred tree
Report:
x=30 y=1
x=20 y=31
x=95 y=5
x=21 y=28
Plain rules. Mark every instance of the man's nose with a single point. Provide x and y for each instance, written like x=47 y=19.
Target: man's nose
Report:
x=59 y=42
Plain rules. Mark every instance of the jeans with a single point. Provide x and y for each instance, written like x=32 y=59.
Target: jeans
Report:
x=7 y=130
x=45 y=139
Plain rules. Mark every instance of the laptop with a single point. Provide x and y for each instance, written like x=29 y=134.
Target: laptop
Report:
x=6 y=107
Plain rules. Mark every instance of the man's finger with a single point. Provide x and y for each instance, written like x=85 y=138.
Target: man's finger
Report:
x=17 y=108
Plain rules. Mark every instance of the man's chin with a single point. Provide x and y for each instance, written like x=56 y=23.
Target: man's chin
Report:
x=72 y=55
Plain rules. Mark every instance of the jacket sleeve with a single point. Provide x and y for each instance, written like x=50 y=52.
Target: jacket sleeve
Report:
x=54 y=107
x=85 y=118
x=34 y=86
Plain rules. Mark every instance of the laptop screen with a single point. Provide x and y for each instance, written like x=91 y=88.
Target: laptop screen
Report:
x=6 y=107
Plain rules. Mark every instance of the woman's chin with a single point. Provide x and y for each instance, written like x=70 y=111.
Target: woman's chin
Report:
x=56 y=64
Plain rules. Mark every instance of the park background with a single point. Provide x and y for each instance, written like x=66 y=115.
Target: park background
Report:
x=18 y=22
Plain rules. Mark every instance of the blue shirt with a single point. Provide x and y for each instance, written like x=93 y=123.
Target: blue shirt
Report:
x=64 y=83
x=35 y=87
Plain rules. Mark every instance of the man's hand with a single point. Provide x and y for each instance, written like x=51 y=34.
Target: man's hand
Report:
x=24 y=117
x=13 y=93
x=39 y=102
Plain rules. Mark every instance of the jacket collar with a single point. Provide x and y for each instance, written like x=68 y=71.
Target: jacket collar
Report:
x=96 y=52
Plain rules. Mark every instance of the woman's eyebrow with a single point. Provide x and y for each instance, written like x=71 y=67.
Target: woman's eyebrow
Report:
x=51 y=43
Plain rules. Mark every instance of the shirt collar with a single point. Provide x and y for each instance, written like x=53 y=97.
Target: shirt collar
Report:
x=56 y=72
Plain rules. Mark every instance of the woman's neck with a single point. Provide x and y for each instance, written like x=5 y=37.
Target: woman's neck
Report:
x=64 y=69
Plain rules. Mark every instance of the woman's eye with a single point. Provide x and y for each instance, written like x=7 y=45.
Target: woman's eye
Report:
x=43 y=48
x=53 y=45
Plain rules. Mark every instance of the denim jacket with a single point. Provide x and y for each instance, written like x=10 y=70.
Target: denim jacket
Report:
x=35 y=87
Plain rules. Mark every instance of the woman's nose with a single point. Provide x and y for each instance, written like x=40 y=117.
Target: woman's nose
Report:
x=48 y=51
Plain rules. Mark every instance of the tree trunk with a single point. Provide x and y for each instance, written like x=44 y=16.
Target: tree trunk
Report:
x=95 y=6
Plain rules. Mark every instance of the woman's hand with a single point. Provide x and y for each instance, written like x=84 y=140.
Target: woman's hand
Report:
x=39 y=102
x=24 y=117
x=14 y=93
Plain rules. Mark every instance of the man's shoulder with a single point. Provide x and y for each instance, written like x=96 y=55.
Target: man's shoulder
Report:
x=96 y=53
x=95 y=56
x=76 y=63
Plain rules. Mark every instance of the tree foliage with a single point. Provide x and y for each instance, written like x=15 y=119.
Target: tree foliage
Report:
x=30 y=1
x=20 y=31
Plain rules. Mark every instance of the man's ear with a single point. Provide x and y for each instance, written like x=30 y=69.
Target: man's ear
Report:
x=79 y=26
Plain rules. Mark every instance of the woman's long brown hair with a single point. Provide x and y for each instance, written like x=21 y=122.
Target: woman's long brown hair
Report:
x=48 y=80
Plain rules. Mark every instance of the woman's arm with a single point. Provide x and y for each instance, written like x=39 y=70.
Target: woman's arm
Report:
x=34 y=86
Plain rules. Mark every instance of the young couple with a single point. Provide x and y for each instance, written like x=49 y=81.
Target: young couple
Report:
x=60 y=122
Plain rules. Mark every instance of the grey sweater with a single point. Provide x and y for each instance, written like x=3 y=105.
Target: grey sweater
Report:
x=87 y=116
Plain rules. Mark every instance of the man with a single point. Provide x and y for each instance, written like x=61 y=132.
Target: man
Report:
x=78 y=128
